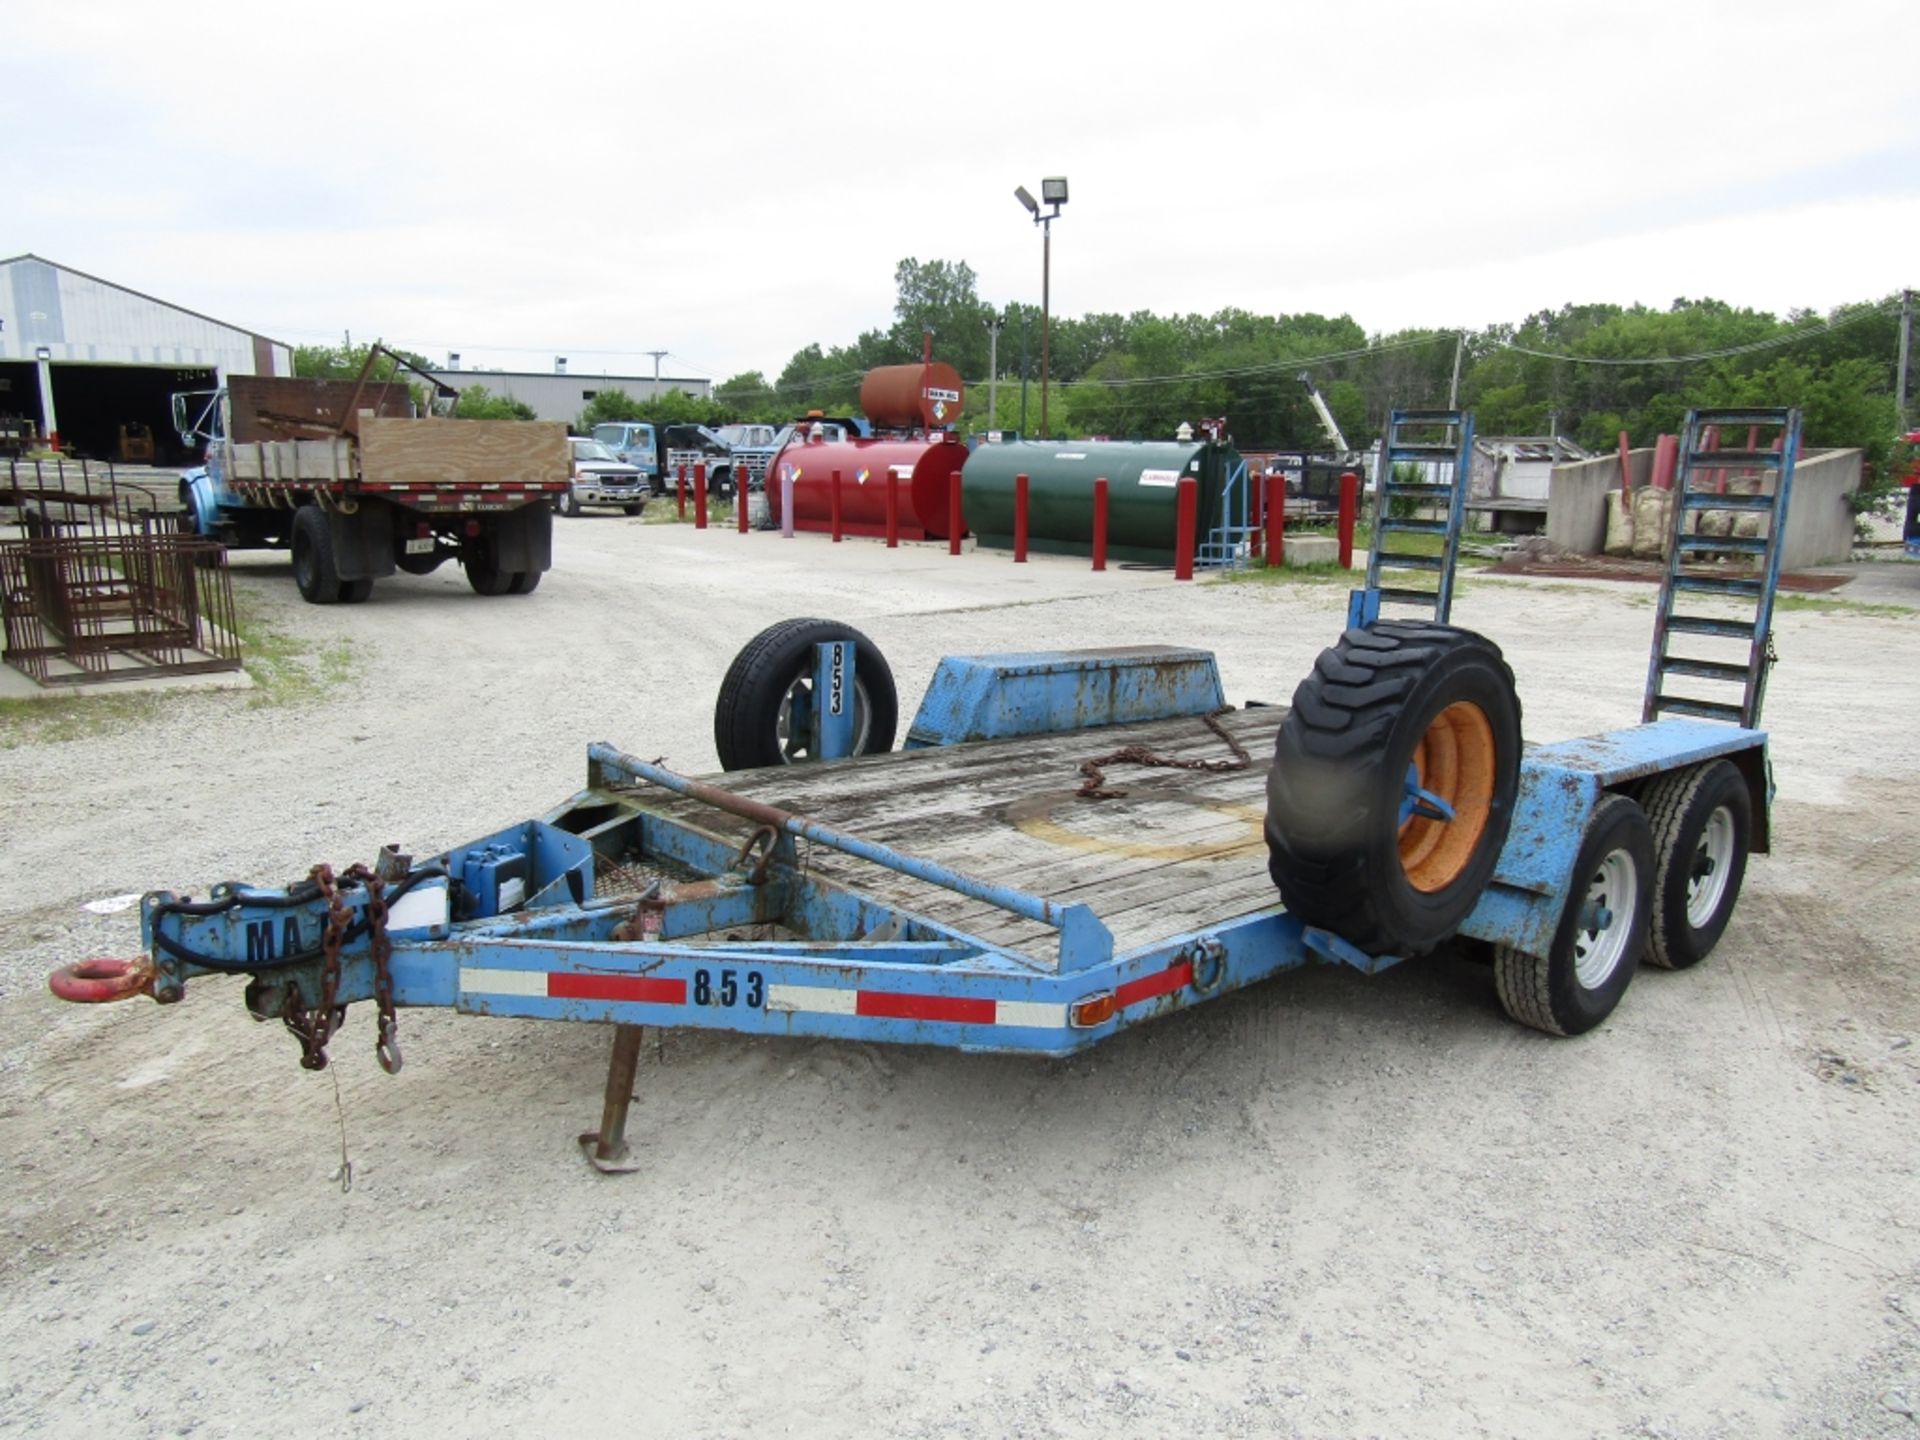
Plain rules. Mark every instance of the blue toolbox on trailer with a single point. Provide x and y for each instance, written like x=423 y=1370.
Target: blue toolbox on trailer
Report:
x=1072 y=843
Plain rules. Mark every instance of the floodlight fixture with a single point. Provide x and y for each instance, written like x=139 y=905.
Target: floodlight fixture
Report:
x=1033 y=205
x=1053 y=190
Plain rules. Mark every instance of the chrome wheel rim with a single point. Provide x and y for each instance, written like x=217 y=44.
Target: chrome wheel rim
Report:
x=1606 y=917
x=793 y=725
x=1707 y=872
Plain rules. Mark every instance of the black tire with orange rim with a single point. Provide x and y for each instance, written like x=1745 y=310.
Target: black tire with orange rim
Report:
x=1393 y=784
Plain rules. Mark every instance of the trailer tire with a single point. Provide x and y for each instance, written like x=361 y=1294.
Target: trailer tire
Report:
x=1389 y=704
x=1602 y=931
x=313 y=568
x=485 y=577
x=771 y=681
x=1702 y=819
x=525 y=582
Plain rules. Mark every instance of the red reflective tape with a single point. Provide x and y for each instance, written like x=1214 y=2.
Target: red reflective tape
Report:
x=647 y=989
x=888 y=1005
x=1148 y=986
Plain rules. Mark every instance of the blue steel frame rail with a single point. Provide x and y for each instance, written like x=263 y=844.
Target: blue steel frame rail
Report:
x=860 y=969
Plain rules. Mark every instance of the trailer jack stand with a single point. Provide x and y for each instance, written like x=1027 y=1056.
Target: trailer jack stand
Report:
x=606 y=1148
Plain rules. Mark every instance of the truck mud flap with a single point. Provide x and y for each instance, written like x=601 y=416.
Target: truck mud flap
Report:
x=523 y=539
x=363 y=542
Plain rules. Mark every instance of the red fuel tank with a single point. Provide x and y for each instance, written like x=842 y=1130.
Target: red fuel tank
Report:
x=912 y=397
x=926 y=469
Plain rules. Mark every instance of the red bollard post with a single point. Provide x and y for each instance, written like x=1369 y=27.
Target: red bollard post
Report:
x=1100 y=523
x=834 y=491
x=1276 y=520
x=1349 y=513
x=680 y=491
x=953 y=515
x=740 y=501
x=1188 y=516
x=893 y=509
x=1019 y=519
x=1256 y=492
x=700 y=496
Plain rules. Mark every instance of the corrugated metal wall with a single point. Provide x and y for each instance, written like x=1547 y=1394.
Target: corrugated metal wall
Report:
x=82 y=319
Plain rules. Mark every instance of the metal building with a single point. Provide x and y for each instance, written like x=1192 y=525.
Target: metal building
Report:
x=105 y=359
x=561 y=396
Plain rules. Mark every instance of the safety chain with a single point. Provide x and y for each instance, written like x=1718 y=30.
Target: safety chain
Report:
x=386 y=1047
x=314 y=1028
x=1094 y=786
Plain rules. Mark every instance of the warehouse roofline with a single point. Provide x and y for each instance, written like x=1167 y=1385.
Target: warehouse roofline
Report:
x=155 y=299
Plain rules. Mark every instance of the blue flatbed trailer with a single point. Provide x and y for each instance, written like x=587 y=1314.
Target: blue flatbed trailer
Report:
x=988 y=888
x=953 y=894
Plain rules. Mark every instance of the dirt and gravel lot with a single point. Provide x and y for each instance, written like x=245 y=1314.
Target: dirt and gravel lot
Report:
x=1326 y=1206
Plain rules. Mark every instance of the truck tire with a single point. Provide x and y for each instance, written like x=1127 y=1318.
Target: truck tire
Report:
x=313 y=567
x=1394 y=704
x=761 y=715
x=720 y=484
x=355 y=592
x=568 y=503
x=525 y=582
x=1702 y=819
x=485 y=577
x=1602 y=930
x=198 y=527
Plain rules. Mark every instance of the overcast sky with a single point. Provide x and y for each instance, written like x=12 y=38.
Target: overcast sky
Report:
x=731 y=181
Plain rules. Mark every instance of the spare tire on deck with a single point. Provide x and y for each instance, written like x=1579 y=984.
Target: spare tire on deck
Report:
x=1393 y=718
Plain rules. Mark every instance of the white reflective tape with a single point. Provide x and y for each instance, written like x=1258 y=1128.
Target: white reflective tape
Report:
x=817 y=999
x=1030 y=1013
x=478 y=980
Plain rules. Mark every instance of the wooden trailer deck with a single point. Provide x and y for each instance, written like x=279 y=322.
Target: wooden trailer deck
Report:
x=1182 y=849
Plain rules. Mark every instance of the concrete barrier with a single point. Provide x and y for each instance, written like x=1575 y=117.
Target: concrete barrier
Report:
x=1577 y=499
x=1819 y=520
x=1312 y=550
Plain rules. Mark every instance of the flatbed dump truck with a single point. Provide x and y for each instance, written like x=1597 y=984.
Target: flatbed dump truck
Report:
x=991 y=886
x=345 y=476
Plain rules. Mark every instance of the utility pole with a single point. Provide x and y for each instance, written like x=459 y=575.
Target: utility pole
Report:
x=993 y=371
x=1453 y=390
x=1026 y=327
x=1906 y=343
x=656 y=354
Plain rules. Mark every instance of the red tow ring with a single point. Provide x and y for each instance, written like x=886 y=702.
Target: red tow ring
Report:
x=95 y=982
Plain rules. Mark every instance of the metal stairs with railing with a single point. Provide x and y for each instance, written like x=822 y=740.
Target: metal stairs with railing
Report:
x=1699 y=492
x=1228 y=545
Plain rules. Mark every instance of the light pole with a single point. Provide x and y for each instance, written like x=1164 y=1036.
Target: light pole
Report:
x=1053 y=193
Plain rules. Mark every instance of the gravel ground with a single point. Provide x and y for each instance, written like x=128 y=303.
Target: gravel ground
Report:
x=1326 y=1206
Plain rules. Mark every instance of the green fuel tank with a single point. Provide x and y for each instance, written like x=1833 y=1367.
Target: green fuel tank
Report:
x=1142 y=493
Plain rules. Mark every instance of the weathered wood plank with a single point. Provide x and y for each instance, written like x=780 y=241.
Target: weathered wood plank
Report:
x=464 y=452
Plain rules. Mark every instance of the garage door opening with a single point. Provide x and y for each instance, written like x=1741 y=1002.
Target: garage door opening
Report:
x=123 y=413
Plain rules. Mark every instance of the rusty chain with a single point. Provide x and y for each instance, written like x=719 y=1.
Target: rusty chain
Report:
x=386 y=1046
x=314 y=1028
x=1094 y=787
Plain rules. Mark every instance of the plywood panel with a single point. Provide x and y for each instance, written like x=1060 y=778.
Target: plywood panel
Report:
x=464 y=452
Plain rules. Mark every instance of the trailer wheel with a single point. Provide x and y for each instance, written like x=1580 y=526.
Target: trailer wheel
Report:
x=1394 y=718
x=1602 y=930
x=763 y=715
x=313 y=567
x=525 y=582
x=1702 y=819
x=485 y=577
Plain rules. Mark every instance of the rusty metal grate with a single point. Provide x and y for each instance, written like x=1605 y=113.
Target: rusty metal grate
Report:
x=99 y=590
